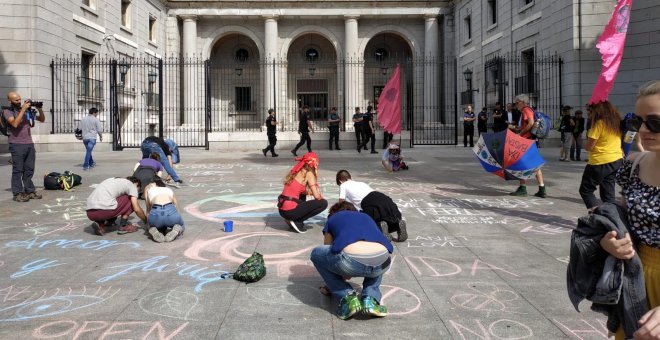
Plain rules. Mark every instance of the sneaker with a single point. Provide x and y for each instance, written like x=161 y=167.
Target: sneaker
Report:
x=85 y=169
x=385 y=229
x=34 y=195
x=174 y=233
x=92 y=165
x=99 y=228
x=275 y=155
x=541 y=193
x=156 y=235
x=402 y=233
x=295 y=226
x=21 y=197
x=348 y=306
x=125 y=229
x=264 y=151
x=174 y=184
x=521 y=191
x=371 y=307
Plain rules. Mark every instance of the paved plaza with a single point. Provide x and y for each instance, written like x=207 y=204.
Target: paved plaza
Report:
x=478 y=264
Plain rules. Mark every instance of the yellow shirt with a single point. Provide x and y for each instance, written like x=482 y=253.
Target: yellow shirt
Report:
x=608 y=145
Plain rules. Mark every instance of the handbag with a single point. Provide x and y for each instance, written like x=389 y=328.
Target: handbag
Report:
x=78 y=134
x=252 y=269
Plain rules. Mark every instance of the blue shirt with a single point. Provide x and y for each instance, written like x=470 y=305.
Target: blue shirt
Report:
x=348 y=227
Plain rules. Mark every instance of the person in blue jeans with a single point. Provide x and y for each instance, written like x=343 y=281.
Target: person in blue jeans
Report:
x=91 y=127
x=165 y=221
x=158 y=145
x=353 y=247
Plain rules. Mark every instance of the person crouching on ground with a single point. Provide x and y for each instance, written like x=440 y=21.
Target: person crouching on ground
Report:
x=377 y=205
x=301 y=181
x=162 y=211
x=147 y=170
x=112 y=198
x=352 y=247
x=392 y=159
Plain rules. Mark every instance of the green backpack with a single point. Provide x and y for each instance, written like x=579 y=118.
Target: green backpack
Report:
x=251 y=270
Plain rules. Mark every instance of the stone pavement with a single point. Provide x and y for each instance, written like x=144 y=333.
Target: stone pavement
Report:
x=479 y=264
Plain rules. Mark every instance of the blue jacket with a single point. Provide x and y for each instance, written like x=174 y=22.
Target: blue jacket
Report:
x=616 y=287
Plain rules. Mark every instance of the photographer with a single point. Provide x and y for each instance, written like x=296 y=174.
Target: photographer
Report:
x=23 y=155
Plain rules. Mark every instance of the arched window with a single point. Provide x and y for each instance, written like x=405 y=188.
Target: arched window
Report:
x=381 y=54
x=242 y=55
x=311 y=55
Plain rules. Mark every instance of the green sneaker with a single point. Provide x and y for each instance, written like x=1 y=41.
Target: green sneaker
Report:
x=521 y=191
x=371 y=307
x=541 y=193
x=348 y=306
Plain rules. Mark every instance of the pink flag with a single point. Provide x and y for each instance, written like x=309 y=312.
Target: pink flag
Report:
x=610 y=45
x=389 y=104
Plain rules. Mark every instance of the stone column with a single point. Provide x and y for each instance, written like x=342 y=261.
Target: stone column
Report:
x=270 y=52
x=192 y=108
x=353 y=68
x=431 y=68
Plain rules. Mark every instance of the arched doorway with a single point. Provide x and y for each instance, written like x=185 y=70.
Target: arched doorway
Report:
x=382 y=54
x=235 y=84
x=312 y=77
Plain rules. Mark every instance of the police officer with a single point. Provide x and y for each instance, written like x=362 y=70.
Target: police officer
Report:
x=271 y=123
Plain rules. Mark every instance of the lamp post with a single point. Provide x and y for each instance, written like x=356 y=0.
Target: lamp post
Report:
x=467 y=75
x=239 y=71
x=152 y=76
x=312 y=71
x=123 y=69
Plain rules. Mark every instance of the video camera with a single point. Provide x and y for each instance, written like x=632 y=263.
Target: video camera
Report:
x=34 y=103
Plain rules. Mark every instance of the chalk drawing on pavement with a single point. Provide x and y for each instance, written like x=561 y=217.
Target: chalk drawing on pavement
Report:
x=51 y=303
x=486 y=297
x=175 y=303
x=250 y=208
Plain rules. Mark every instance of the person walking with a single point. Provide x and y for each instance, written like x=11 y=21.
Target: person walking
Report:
x=357 y=126
x=21 y=146
x=468 y=126
x=605 y=154
x=271 y=131
x=292 y=203
x=524 y=128
x=91 y=127
x=639 y=178
x=353 y=246
x=333 y=125
x=304 y=127
x=578 y=129
x=482 y=121
x=368 y=130
x=566 y=127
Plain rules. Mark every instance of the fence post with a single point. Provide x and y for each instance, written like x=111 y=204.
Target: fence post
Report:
x=207 y=102
x=160 y=98
x=114 y=107
x=456 y=101
x=52 y=97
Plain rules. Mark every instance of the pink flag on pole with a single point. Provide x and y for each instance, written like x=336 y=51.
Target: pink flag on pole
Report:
x=610 y=45
x=389 y=104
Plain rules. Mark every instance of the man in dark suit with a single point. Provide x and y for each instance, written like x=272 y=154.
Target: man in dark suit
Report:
x=499 y=119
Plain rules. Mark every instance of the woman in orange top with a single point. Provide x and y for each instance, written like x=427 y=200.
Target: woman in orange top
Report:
x=301 y=181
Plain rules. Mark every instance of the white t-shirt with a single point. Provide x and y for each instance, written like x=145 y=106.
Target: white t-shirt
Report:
x=104 y=197
x=354 y=192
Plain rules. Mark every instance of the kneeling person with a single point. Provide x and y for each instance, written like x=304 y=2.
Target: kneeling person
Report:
x=375 y=204
x=165 y=222
x=112 y=198
x=353 y=247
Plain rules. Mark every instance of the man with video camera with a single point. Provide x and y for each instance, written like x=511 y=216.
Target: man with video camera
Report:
x=20 y=119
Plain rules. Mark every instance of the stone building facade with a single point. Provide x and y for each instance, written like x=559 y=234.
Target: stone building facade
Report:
x=312 y=45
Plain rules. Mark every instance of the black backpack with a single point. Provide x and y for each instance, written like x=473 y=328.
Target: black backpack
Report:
x=4 y=124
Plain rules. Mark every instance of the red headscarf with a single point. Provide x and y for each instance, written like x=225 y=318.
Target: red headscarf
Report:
x=310 y=159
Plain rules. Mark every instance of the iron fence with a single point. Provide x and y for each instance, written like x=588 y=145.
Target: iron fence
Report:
x=540 y=77
x=187 y=98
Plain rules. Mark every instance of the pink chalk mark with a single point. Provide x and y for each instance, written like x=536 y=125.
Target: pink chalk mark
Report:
x=394 y=289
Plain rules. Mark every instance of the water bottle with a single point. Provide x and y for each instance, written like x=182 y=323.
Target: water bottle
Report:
x=629 y=136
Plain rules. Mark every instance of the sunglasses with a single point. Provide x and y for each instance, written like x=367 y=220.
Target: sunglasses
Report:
x=652 y=123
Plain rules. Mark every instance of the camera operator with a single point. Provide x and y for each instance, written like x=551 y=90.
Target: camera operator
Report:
x=22 y=150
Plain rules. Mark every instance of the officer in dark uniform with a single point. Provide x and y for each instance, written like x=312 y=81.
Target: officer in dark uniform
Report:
x=368 y=130
x=304 y=127
x=357 y=125
x=271 y=123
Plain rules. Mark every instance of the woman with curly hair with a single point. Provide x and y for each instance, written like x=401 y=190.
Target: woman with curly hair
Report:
x=605 y=154
x=301 y=181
